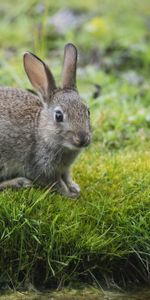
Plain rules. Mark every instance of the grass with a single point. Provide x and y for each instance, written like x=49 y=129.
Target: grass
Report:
x=102 y=238
x=53 y=241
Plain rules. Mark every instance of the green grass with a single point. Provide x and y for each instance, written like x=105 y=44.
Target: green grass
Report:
x=51 y=240
x=103 y=237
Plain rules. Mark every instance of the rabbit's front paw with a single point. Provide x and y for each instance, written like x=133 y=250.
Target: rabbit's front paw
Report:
x=70 y=190
x=74 y=188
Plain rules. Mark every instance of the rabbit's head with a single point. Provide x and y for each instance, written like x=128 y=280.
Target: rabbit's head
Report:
x=68 y=116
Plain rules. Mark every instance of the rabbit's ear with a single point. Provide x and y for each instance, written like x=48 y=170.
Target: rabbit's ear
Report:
x=70 y=64
x=39 y=74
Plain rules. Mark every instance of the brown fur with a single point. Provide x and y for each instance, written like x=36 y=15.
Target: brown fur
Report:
x=36 y=148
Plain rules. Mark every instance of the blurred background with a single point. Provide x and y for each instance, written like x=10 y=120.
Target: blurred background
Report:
x=110 y=35
x=113 y=39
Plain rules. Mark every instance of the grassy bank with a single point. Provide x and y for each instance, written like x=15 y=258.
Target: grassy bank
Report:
x=53 y=241
x=103 y=237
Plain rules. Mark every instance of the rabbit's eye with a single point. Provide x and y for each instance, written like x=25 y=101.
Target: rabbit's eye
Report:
x=58 y=116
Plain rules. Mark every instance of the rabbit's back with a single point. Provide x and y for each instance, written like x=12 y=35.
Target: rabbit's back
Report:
x=18 y=107
x=19 y=111
x=16 y=102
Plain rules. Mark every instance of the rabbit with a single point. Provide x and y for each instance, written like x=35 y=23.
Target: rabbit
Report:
x=42 y=134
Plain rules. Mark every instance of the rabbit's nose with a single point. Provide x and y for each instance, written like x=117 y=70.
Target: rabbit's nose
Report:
x=82 y=139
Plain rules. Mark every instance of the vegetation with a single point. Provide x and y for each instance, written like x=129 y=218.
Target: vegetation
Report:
x=103 y=237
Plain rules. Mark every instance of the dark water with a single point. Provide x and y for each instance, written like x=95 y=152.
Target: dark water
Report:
x=88 y=294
